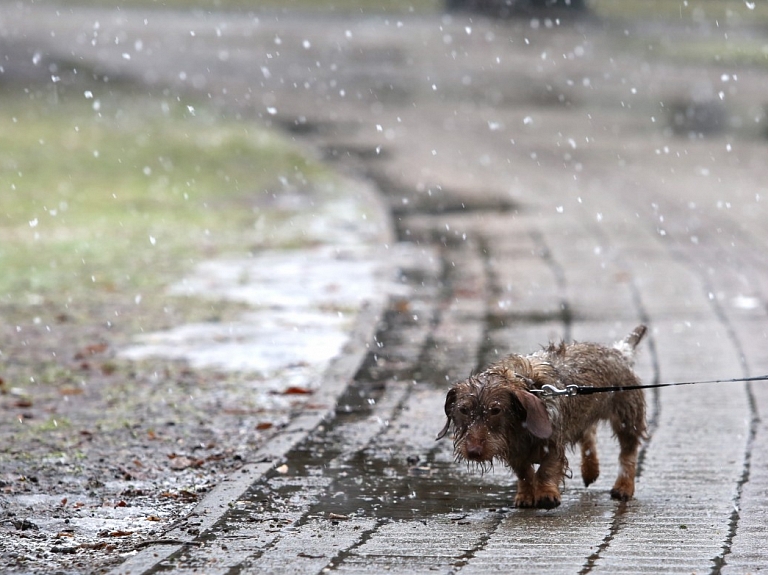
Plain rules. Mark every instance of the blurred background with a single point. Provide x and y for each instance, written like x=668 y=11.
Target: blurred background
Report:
x=113 y=159
x=101 y=134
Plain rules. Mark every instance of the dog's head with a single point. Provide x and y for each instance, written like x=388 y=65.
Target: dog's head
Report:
x=484 y=409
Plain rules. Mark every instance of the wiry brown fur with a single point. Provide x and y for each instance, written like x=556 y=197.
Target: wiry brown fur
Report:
x=495 y=417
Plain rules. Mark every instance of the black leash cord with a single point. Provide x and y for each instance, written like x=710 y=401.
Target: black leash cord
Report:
x=571 y=390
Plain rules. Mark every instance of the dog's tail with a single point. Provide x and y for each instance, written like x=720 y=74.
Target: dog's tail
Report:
x=628 y=345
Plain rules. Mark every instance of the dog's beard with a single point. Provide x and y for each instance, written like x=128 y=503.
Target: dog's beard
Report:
x=475 y=466
x=481 y=467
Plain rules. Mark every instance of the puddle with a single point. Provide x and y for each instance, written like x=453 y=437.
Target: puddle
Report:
x=305 y=303
x=367 y=481
x=263 y=342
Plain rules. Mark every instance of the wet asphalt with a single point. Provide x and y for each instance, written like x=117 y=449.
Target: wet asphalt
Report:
x=543 y=180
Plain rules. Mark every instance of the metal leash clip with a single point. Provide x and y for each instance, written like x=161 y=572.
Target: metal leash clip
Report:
x=552 y=391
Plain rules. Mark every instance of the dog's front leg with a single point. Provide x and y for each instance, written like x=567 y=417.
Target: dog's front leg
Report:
x=549 y=476
x=526 y=486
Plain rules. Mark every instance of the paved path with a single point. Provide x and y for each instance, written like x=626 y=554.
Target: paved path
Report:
x=538 y=191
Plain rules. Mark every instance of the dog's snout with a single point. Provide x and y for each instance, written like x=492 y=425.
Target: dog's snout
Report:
x=475 y=451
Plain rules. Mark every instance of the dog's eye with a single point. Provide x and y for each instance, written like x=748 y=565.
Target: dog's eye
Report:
x=495 y=410
x=464 y=410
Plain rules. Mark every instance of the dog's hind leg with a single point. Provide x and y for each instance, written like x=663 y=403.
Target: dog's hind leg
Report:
x=628 y=423
x=629 y=441
x=590 y=464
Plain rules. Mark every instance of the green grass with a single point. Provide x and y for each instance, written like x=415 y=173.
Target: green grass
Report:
x=337 y=6
x=130 y=194
x=741 y=52
x=710 y=11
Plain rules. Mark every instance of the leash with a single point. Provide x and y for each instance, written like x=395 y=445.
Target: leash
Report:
x=573 y=390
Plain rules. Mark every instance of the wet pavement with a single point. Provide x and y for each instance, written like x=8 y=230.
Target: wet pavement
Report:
x=539 y=187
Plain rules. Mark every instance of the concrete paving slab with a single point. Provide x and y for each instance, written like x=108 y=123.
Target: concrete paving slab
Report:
x=523 y=184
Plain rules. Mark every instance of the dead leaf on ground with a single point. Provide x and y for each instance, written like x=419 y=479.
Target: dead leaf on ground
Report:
x=92 y=349
x=183 y=494
x=108 y=368
x=296 y=390
x=100 y=545
x=264 y=425
x=402 y=306
x=106 y=533
x=183 y=462
x=309 y=555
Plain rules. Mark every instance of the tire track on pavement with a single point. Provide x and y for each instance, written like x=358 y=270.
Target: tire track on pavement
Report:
x=570 y=315
x=711 y=327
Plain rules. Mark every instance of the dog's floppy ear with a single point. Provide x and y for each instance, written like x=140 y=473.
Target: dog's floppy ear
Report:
x=450 y=399
x=536 y=415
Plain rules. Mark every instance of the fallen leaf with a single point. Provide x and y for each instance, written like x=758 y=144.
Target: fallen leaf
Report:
x=402 y=306
x=296 y=390
x=309 y=555
x=71 y=390
x=153 y=518
x=132 y=492
x=183 y=494
x=183 y=462
x=108 y=368
x=264 y=425
x=186 y=495
x=92 y=349
x=100 y=545
x=24 y=524
x=107 y=533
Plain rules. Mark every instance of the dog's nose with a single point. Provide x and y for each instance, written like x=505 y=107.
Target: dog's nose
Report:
x=475 y=451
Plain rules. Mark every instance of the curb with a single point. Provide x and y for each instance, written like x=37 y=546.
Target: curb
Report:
x=334 y=382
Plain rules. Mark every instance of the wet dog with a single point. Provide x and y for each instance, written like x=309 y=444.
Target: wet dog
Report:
x=495 y=417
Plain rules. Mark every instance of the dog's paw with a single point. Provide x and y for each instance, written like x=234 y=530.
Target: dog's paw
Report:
x=548 y=502
x=590 y=471
x=620 y=495
x=524 y=501
x=623 y=489
x=589 y=476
